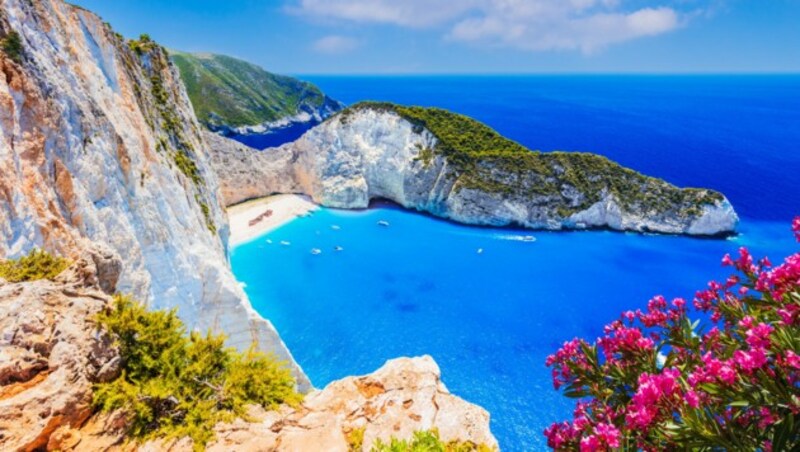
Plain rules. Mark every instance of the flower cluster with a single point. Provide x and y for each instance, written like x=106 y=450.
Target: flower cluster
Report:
x=659 y=380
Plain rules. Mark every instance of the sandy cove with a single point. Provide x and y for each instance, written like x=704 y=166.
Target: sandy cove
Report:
x=256 y=217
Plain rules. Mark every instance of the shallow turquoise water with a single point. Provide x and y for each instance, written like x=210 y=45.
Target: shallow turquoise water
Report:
x=490 y=319
x=419 y=287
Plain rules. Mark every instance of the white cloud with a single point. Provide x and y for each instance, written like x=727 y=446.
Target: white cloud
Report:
x=535 y=25
x=408 y=13
x=335 y=44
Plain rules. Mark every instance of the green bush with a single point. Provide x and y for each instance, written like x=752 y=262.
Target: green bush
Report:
x=36 y=265
x=12 y=46
x=187 y=166
x=428 y=441
x=174 y=385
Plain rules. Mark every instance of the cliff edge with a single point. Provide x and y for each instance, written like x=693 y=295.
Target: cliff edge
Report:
x=98 y=140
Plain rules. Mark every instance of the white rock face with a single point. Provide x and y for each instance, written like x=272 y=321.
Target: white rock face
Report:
x=89 y=134
x=375 y=153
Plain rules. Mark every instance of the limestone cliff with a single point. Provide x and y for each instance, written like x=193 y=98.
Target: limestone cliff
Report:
x=98 y=140
x=454 y=167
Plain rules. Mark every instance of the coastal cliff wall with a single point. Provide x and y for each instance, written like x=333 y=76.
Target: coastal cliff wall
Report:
x=98 y=141
x=373 y=151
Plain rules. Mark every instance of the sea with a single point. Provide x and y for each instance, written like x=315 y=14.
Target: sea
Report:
x=489 y=305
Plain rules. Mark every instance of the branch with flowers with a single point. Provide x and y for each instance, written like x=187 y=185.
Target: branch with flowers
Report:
x=721 y=374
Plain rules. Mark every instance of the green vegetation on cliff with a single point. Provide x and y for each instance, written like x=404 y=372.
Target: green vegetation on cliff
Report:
x=427 y=441
x=174 y=385
x=226 y=91
x=487 y=161
x=38 y=264
x=11 y=45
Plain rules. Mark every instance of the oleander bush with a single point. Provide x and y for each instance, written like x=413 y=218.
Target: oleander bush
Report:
x=174 y=385
x=720 y=373
x=38 y=264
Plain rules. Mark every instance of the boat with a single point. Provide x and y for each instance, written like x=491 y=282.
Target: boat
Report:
x=285 y=243
x=338 y=248
x=316 y=251
x=383 y=223
x=335 y=227
x=480 y=250
x=529 y=238
x=269 y=241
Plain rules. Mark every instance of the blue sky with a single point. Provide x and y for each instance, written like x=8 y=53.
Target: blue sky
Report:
x=475 y=36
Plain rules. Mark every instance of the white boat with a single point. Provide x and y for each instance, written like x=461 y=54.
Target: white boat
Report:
x=335 y=227
x=285 y=243
x=338 y=248
x=316 y=251
x=480 y=250
x=529 y=238
x=269 y=241
x=383 y=223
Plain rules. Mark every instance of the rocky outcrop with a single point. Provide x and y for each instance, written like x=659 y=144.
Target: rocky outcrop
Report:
x=245 y=173
x=98 y=140
x=51 y=352
x=403 y=396
x=367 y=153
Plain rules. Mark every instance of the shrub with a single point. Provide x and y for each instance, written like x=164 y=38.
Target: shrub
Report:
x=656 y=380
x=37 y=264
x=427 y=441
x=174 y=385
x=12 y=46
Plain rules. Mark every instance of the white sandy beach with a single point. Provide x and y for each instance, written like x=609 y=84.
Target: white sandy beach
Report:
x=251 y=219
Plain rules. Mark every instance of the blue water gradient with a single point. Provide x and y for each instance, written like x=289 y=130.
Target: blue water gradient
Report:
x=420 y=286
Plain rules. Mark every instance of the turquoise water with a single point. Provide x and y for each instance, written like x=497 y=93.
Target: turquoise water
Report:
x=420 y=286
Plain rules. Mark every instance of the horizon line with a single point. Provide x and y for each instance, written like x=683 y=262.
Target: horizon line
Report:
x=534 y=74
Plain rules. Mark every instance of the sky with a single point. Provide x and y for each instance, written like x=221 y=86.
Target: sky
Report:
x=305 y=37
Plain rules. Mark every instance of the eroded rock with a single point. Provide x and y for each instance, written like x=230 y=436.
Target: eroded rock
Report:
x=51 y=353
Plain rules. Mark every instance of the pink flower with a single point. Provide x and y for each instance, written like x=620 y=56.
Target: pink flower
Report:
x=796 y=228
x=758 y=337
x=608 y=434
x=792 y=359
x=590 y=443
x=692 y=399
x=751 y=360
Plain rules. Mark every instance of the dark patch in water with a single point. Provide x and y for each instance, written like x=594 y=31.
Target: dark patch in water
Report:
x=389 y=295
x=426 y=286
x=275 y=137
x=407 y=307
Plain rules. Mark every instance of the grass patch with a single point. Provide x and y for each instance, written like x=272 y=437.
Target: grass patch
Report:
x=207 y=214
x=187 y=166
x=175 y=385
x=38 y=264
x=428 y=441
x=11 y=45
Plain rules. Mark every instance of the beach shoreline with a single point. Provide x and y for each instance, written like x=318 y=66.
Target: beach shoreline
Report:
x=256 y=217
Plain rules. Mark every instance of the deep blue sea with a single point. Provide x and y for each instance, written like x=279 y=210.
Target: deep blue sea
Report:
x=419 y=286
